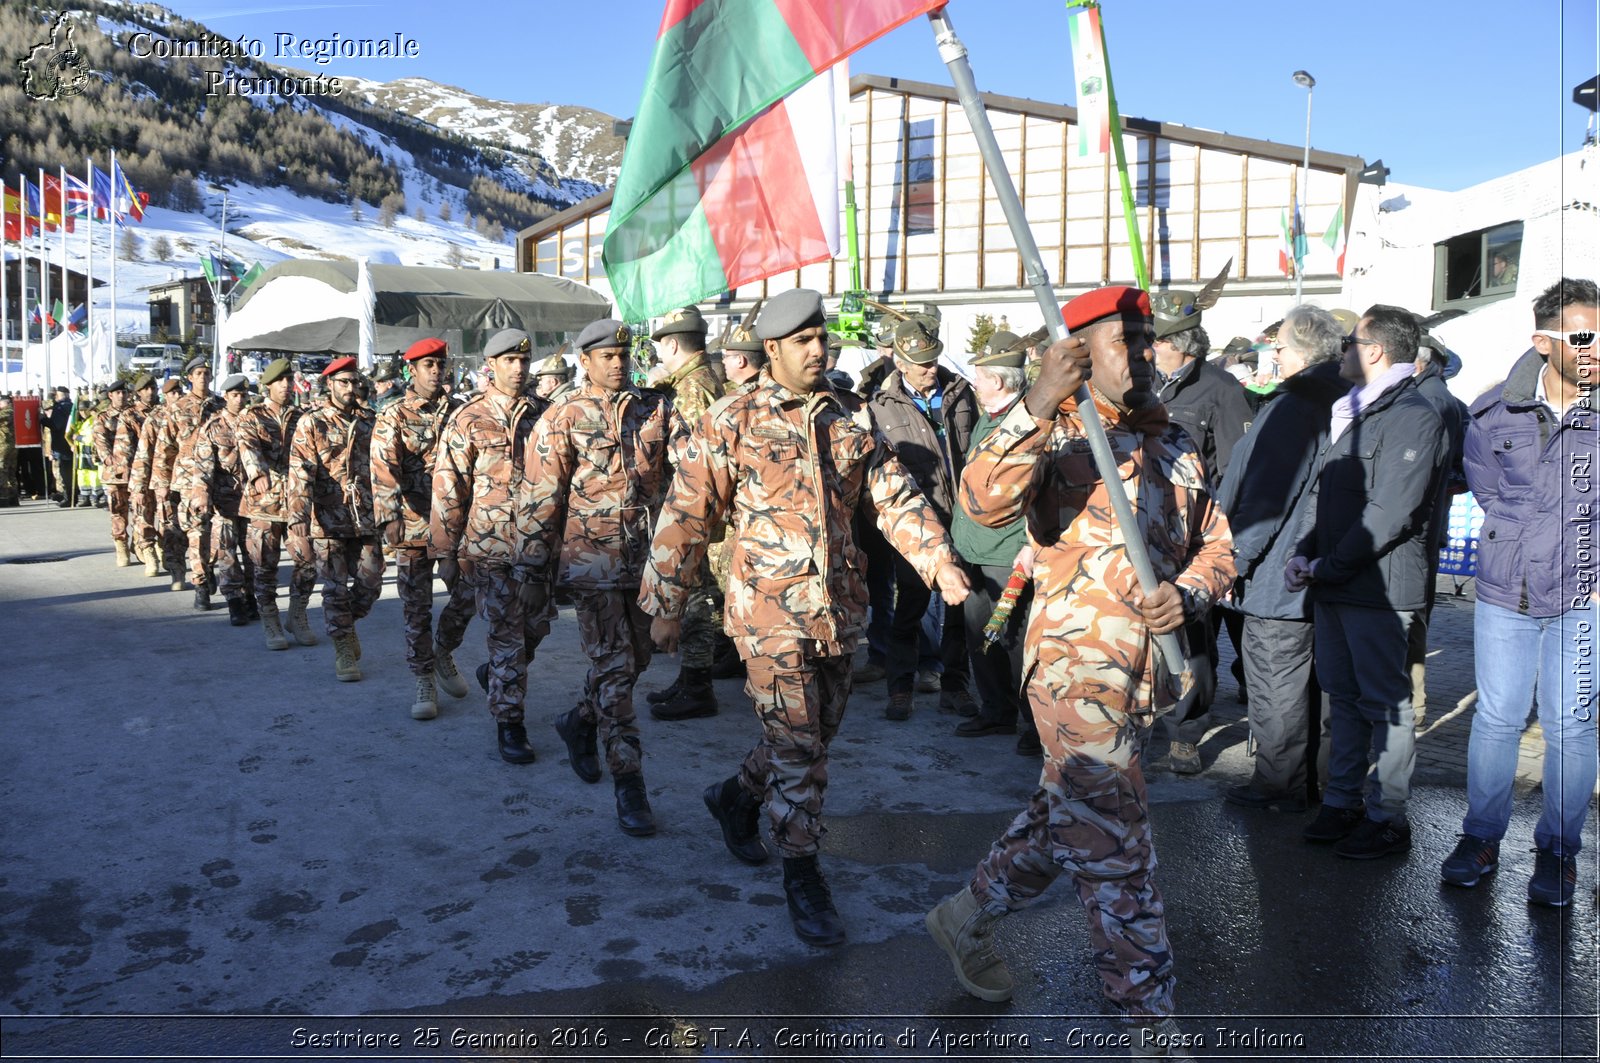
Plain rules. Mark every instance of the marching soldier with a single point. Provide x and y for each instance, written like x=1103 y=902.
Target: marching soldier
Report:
x=114 y=478
x=149 y=522
x=187 y=530
x=785 y=467
x=477 y=468
x=694 y=387
x=214 y=475
x=329 y=504
x=264 y=433
x=403 y=441
x=594 y=472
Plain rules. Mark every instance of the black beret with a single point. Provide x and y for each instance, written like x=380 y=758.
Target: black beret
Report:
x=116 y=385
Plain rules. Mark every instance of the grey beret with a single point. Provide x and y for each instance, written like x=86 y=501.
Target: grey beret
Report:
x=235 y=382
x=507 y=341
x=276 y=370
x=788 y=312
x=199 y=361
x=607 y=332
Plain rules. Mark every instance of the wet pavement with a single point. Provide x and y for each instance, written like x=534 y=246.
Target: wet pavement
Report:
x=205 y=842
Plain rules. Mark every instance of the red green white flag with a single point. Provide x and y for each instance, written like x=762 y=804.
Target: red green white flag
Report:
x=1286 y=256
x=1335 y=240
x=1094 y=84
x=730 y=175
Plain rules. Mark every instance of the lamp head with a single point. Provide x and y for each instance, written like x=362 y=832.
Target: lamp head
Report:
x=1304 y=80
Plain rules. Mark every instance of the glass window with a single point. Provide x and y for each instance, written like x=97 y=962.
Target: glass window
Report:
x=1480 y=265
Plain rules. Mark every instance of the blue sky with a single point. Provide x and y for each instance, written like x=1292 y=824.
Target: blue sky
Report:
x=1447 y=94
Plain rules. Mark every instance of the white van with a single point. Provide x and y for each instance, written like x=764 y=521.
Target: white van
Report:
x=157 y=359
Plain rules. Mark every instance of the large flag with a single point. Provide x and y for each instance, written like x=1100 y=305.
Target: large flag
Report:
x=18 y=222
x=124 y=200
x=721 y=183
x=1334 y=239
x=1094 y=84
x=78 y=196
x=55 y=211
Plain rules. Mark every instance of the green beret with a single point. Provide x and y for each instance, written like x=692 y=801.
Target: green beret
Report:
x=142 y=381
x=276 y=370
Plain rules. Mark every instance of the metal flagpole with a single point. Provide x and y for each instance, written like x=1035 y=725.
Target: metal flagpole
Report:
x=954 y=54
x=88 y=292
x=44 y=287
x=5 y=286
x=66 y=286
x=111 y=212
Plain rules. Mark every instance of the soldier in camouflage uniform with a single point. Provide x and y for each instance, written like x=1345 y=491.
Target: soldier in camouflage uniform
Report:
x=476 y=471
x=403 y=442
x=693 y=387
x=113 y=479
x=188 y=532
x=594 y=473
x=1092 y=677
x=329 y=502
x=211 y=469
x=263 y=434
x=785 y=467
x=148 y=521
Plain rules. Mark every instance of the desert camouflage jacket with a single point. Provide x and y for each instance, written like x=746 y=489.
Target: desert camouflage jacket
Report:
x=104 y=436
x=210 y=466
x=477 y=467
x=330 y=474
x=263 y=434
x=787 y=472
x=141 y=471
x=124 y=444
x=403 y=441
x=593 y=476
x=179 y=430
x=1085 y=639
x=694 y=388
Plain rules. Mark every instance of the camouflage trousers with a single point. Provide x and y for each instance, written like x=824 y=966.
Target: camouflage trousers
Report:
x=513 y=638
x=174 y=537
x=799 y=693
x=352 y=580
x=615 y=634
x=230 y=562
x=118 y=505
x=413 y=578
x=702 y=620
x=1090 y=819
x=264 y=546
x=196 y=523
x=156 y=521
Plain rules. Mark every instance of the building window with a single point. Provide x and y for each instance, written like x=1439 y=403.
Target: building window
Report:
x=1477 y=267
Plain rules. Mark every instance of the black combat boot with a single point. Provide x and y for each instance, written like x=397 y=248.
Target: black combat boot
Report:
x=816 y=922
x=666 y=693
x=582 y=749
x=482 y=674
x=695 y=697
x=514 y=747
x=739 y=815
x=202 y=598
x=238 y=616
x=633 y=806
x=726 y=662
x=252 y=610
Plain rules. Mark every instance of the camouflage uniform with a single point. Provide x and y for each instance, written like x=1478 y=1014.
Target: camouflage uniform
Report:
x=694 y=388
x=215 y=477
x=188 y=530
x=1090 y=674
x=787 y=471
x=477 y=467
x=330 y=498
x=113 y=478
x=403 y=441
x=594 y=471
x=149 y=524
x=263 y=434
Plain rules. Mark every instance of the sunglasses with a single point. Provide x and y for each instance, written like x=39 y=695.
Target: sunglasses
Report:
x=1353 y=338
x=1581 y=339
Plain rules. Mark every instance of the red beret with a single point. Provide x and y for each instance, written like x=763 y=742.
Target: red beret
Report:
x=1114 y=301
x=423 y=348
x=339 y=365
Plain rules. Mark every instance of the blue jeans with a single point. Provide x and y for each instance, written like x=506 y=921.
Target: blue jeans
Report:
x=1519 y=657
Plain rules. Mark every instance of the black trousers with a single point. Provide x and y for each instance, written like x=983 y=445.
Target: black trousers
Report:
x=911 y=602
x=997 y=668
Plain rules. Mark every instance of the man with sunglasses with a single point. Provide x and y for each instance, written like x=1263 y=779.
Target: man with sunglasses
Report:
x=1530 y=462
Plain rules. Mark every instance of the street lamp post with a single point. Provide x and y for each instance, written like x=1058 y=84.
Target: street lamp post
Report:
x=219 y=350
x=1307 y=82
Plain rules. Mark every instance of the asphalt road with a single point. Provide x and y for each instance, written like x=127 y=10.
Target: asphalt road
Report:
x=203 y=845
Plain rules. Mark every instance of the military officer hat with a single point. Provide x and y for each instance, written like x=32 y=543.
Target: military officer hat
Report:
x=684 y=320
x=742 y=338
x=508 y=341
x=276 y=370
x=916 y=339
x=555 y=365
x=340 y=365
x=384 y=370
x=788 y=312
x=1237 y=348
x=1003 y=351
x=1348 y=319
x=199 y=361
x=169 y=385
x=606 y=333
x=1114 y=300
x=142 y=381
x=117 y=385
x=1174 y=312
x=235 y=382
x=426 y=348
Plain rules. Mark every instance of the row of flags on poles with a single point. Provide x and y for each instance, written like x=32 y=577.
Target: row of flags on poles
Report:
x=56 y=202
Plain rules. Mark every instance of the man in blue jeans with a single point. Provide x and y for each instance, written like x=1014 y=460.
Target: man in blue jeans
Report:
x=1530 y=461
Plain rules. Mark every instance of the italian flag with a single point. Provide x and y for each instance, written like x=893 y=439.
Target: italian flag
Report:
x=1335 y=240
x=1094 y=83
x=731 y=171
x=1292 y=251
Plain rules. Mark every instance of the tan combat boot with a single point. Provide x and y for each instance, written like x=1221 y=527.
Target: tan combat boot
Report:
x=272 y=629
x=344 y=660
x=962 y=929
x=152 y=560
x=355 y=643
x=445 y=674
x=299 y=626
x=426 y=704
x=123 y=560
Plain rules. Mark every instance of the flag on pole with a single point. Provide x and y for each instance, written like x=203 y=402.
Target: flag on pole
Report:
x=76 y=319
x=78 y=195
x=126 y=201
x=52 y=317
x=1292 y=252
x=244 y=282
x=1094 y=86
x=18 y=222
x=1334 y=238
x=55 y=212
x=218 y=269
x=722 y=182
x=103 y=195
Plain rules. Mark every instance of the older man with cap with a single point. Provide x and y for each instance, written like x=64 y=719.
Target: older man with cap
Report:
x=149 y=507
x=1094 y=678
x=404 y=441
x=477 y=469
x=179 y=430
x=211 y=468
x=742 y=357
x=594 y=472
x=264 y=433
x=786 y=468
x=114 y=478
x=551 y=376
x=387 y=387
x=927 y=412
x=330 y=504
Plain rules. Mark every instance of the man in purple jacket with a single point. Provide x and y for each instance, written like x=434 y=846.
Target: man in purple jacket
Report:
x=1530 y=458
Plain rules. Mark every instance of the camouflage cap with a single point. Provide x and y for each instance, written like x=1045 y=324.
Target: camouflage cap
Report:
x=683 y=320
x=507 y=341
x=276 y=370
x=1174 y=312
x=606 y=333
x=916 y=339
x=1003 y=351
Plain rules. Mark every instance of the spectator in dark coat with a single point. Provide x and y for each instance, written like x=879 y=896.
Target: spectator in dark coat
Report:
x=59 y=421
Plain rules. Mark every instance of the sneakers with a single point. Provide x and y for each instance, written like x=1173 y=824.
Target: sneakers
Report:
x=899 y=706
x=1554 y=879
x=1332 y=824
x=425 y=706
x=1373 y=838
x=928 y=682
x=1473 y=858
x=1250 y=797
x=445 y=674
